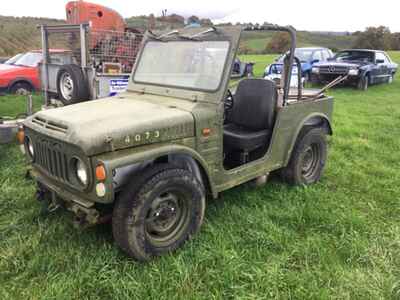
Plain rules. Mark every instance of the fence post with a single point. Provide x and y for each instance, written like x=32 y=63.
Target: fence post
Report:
x=45 y=53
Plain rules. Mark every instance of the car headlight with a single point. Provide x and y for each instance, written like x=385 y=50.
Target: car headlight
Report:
x=81 y=171
x=29 y=146
x=353 y=72
x=315 y=70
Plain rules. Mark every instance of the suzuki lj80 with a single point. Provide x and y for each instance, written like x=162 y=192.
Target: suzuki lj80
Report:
x=148 y=158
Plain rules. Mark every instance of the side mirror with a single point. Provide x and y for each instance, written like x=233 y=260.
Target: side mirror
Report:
x=380 y=61
x=315 y=61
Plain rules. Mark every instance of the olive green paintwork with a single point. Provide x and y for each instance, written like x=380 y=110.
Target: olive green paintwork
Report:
x=149 y=122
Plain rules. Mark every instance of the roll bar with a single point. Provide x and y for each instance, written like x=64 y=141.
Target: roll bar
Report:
x=289 y=59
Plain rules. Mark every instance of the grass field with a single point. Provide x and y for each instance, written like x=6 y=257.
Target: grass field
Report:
x=339 y=239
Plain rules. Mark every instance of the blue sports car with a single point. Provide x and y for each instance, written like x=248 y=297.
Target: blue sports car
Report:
x=308 y=57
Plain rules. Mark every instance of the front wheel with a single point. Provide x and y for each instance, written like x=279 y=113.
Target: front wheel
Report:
x=21 y=89
x=390 y=79
x=363 y=83
x=159 y=212
x=308 y=158
x=307 y=77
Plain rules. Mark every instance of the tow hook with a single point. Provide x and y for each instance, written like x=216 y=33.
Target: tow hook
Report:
x=49 y=204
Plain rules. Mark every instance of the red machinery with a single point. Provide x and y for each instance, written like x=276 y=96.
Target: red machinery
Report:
x=99 y=17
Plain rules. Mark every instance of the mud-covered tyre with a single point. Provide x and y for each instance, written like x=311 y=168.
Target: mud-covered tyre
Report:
x=308 y=158
x=162 y=209
x=21 y=88
x=363 y=83
x=72 y=86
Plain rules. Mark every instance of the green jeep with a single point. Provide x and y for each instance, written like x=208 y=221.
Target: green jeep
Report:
x=147 y=159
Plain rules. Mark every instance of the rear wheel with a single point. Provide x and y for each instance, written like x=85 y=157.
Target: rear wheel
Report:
x=72 y=86
x=21 y=88
x=308 y=158
x=159 y=212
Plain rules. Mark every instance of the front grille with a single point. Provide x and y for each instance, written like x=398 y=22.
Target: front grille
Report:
x=52 y=159
x=334 y=70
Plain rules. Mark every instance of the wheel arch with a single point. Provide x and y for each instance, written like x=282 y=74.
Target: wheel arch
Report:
x=21 y=80
x=313 y=120
x=180 y=155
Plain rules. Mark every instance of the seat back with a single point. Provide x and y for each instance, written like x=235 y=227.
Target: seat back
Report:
x=254 y=104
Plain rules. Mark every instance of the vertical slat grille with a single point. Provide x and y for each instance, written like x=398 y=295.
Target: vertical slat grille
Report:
x=50 y=157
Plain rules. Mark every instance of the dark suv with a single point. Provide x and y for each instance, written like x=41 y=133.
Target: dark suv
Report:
x=363 y=67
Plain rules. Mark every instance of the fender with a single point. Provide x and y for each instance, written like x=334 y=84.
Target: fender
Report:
x=150 y=153
x=21 y=79
x=315 y=119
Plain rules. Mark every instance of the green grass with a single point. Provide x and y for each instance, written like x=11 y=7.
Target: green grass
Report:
x=338 y=239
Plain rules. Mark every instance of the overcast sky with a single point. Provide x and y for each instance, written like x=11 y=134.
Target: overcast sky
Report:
x=337 y=15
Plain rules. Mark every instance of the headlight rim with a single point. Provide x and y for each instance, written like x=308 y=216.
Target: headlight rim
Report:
x=29 y=147
x=74 y=166
x=354 y=72
x=315 y=70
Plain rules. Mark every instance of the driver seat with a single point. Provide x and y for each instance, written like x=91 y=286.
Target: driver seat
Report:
x=251 y=120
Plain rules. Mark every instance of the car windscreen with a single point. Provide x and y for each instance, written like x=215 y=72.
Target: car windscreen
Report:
x=196 y=65
x=30 y=59
x=303 y=55
x=13 y=59
x=364 y=56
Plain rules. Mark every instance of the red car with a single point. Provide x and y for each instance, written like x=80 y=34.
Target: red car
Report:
x=21 y=75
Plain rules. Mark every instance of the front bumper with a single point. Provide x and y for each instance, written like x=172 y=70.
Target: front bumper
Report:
x=84 y=210
x=327 y=78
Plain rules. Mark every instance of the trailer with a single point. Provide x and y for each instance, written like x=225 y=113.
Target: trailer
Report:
x=97 y=63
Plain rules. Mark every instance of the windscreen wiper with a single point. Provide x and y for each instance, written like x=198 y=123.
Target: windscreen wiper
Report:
x=212 y=29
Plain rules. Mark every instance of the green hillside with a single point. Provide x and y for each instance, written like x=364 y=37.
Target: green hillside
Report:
x=257 y=40
x=21 y=34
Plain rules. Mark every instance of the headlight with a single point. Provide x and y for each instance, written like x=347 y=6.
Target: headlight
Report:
x=315 y=70
x=29 y=147
x=81 y=171
x=353 y=72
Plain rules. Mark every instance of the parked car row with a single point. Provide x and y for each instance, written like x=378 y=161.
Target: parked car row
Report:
x=319 y=65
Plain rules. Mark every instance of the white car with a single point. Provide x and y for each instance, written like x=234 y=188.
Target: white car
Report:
x=274 y=72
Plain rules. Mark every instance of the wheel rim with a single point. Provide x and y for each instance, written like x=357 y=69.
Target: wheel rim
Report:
x=66 y=86
x=310 y=161
x=167 y=217
x=21 y=91
x=390 y=79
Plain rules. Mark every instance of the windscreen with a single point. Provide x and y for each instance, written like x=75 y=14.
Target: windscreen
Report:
x=30 y=59
x=187 y=64
x=364 y=56
x=302 y=54
x=13 y=59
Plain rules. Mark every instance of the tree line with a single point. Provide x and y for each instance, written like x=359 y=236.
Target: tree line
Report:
x=379 y=38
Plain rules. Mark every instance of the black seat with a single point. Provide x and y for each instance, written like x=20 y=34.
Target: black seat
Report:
x=251 y=120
